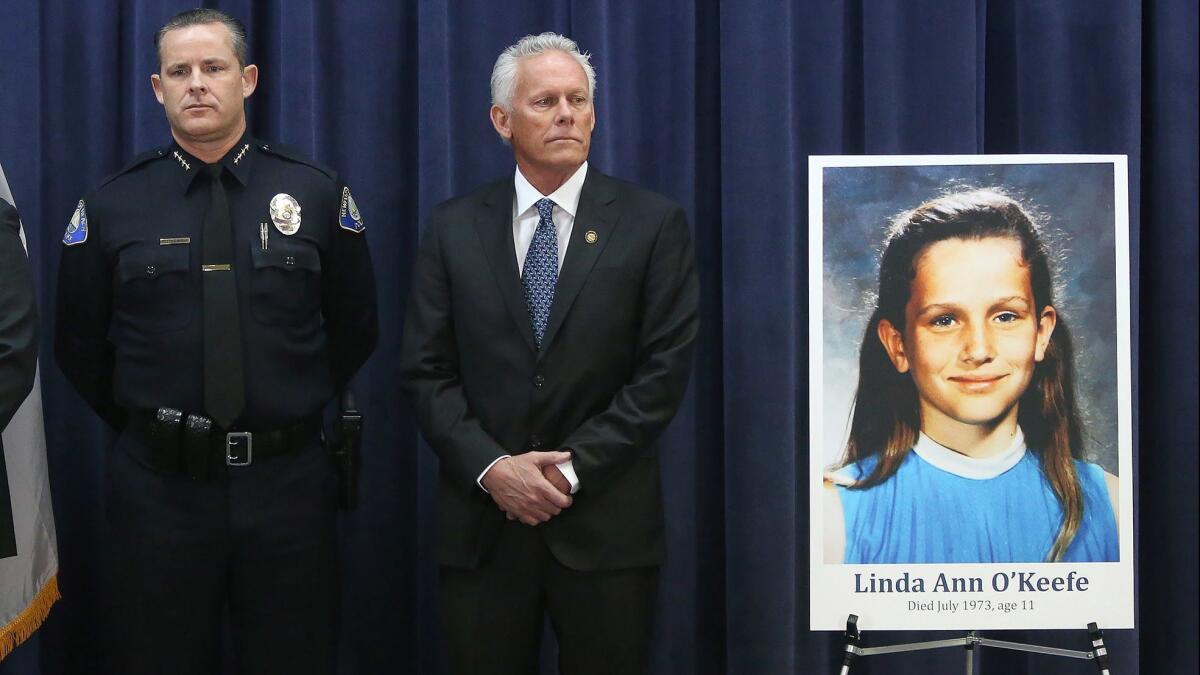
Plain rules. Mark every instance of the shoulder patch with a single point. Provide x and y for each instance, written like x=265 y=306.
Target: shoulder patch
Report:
x=77 y=229
x=348 y=216
x=291 y=155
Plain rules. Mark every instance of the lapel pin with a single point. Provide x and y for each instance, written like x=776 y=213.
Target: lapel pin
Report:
x=591 y=237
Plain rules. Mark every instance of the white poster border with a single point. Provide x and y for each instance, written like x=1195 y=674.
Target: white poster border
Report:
x=997 y=596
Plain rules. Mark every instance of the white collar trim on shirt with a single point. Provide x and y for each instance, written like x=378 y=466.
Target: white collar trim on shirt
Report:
x=970 y=467
x=566 y=197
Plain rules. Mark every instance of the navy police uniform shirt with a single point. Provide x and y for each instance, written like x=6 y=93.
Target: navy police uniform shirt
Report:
x=130 y=295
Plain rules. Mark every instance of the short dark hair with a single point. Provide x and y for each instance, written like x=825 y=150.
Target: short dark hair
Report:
x=199 y=17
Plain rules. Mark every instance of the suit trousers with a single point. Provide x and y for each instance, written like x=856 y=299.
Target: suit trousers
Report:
x=494 y=615
x=254 y=543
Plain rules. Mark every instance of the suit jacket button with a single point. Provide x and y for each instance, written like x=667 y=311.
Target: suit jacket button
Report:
x=535 y=442
x=538 y=380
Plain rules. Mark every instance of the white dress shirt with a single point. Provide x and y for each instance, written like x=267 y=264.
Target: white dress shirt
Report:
x=525 y=221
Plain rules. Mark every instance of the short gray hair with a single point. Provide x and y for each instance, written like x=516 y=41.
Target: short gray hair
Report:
x=199 y=17
x=504 y=73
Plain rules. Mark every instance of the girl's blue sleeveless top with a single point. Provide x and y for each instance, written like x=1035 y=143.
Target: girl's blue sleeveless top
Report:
x=925 y=514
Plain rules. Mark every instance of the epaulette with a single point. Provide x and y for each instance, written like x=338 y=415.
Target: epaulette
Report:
x=133 y=164
x=292 y=156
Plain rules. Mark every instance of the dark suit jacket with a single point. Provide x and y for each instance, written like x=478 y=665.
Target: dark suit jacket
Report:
x=18 y=347
x=610 y=375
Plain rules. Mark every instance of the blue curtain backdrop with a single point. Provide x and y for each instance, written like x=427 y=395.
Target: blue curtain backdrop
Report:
x=717 y=104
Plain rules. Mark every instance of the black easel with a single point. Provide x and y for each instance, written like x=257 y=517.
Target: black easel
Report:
x=1098 y=652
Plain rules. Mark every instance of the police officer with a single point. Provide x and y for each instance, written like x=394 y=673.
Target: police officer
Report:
x=213 y=296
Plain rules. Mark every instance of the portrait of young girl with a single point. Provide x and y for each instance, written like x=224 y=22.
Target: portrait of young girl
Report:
x=965 y=440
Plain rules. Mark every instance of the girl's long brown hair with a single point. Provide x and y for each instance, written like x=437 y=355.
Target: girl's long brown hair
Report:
x=886 y=417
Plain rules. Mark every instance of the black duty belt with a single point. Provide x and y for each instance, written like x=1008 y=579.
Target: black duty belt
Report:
x=176 y=442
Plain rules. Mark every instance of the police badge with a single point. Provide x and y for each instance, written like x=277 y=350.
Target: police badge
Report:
x=349 y=217
x=77 y=229
x=285 y=213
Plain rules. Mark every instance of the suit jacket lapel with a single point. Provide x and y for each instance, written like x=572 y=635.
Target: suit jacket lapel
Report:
x=596 y=214
x=494 y=223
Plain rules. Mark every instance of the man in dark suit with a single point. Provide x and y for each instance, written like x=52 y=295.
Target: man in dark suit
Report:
x=547 y=344
x=18 y=347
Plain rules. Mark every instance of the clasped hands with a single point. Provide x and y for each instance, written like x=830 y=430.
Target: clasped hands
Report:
x=529 y=487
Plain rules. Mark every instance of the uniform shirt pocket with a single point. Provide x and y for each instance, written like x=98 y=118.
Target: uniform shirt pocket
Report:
x=285 y=285
x=154 y=291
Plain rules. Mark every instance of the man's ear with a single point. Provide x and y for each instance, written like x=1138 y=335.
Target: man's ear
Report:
x=156 y=85
x=249 y=80
x=893 y=343
x=500 y=120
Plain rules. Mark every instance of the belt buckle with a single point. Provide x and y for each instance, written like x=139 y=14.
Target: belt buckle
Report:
x=239 y=448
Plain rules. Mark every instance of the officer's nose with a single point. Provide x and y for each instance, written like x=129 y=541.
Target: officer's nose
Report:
x=196 y=83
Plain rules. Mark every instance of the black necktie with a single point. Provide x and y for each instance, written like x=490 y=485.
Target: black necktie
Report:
x=224 y=390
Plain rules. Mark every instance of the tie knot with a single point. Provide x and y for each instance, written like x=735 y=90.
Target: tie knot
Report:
x=214 y=171
x=545 y=207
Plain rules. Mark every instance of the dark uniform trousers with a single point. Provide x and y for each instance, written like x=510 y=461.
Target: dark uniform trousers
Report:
x=261 y=537
x=494 y=614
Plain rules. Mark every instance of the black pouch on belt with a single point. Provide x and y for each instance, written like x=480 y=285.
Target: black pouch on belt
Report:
x=196 y=448
x=347 y=450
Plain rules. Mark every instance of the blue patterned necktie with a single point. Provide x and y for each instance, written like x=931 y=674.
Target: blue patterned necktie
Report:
x=540 y=273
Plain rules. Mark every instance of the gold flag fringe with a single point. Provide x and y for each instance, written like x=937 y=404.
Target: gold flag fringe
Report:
x=19 y=630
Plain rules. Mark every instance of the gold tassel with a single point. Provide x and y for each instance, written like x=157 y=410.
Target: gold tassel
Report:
x=19 y=630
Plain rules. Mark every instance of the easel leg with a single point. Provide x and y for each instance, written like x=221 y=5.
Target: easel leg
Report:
x=852 y=640
x=1099 y=651
x=969 y=648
